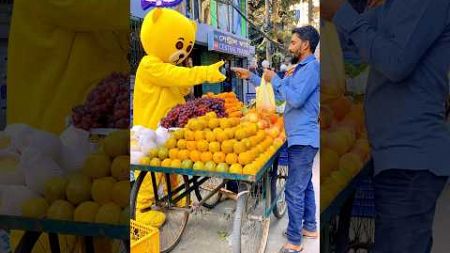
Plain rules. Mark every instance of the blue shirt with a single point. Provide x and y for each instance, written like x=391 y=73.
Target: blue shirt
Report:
x=407 y=45
x=301 y=93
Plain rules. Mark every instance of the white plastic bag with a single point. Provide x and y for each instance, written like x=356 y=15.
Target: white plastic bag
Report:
x=10 y=173
x=38 y=168
x=12 y=197
x=47 y=143
x=20 y=136
x=75 y=148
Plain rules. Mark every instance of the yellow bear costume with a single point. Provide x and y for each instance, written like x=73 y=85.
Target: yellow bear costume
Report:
x=167 y=37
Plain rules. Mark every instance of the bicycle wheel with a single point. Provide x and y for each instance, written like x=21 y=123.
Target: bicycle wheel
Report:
x=250 y=228
x=207 y=187
x=171 y=231
x=278 y=182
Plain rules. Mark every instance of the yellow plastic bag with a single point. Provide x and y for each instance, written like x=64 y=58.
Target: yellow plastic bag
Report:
x=265 y=97
x=332 y=83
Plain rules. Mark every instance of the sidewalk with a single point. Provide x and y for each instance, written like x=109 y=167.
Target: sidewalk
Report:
x=208 y=231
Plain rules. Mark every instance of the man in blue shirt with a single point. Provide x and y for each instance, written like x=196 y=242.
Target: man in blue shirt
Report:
x=300 y=90
x=407 y=45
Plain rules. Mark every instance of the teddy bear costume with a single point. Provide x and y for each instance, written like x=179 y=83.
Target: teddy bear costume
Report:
x=168 y=38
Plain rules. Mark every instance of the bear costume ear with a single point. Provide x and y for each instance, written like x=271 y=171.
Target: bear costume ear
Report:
x=194 y=24
x=156 y=14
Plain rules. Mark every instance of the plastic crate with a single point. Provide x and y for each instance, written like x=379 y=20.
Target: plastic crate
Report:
x=144 y=238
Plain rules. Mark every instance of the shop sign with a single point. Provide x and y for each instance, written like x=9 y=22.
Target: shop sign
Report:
x=229 y=44
x=146 y=4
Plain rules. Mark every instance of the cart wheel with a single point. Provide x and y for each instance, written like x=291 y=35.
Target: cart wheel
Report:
x=176 y=219
x=205 y=188
x=278 y=182
x=250 y=228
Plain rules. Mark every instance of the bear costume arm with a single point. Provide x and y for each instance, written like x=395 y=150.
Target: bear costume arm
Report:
x=168 y=75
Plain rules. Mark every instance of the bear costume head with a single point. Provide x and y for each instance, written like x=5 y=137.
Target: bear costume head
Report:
x=168 y=35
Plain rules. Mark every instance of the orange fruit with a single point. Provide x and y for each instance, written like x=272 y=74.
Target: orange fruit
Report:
x=253 y=141
x=209 y=136
x=189 y=135
x=194 y=124
x=235 y=168
x=175 y=163
x=213 y=123
x=166 y=162
x=225 y=123
x=183 y=154
x=179 y=134
x=231 y=158
x=249 y=169
x=202 y=145
x=247 y=143
x=221 y=137
x=240 y=134
x=211 y=115
x=217 y=131
x=229 y=132
x=199 y=135
x=218 y=157
x=239 y=147
x=214 y=146
x=171 y=143
x=206 y=157
x=227 y=146
x=181 y=144
x=191 y=145
x=234 y=121
x=195 y=155
x=173 y=153
x=245 y=158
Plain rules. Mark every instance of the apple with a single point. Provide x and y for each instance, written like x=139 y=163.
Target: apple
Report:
x=210 y=166
x=222 y=167
x=198 y=166
x=187 y=164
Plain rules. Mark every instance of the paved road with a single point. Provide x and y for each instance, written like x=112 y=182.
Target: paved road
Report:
x=208 y=231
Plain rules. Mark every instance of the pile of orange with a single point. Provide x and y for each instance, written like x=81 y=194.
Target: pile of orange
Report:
x=232 y=105
x=344 y=145
x=221 y=144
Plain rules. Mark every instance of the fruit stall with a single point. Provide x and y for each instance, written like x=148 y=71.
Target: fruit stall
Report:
x=346 y=201
x=201 y=146
x=69 y=192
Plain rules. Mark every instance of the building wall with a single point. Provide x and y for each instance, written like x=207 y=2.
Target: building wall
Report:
x=5 y=18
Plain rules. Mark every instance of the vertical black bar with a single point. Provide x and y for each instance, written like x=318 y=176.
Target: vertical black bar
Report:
x=342 y=240
x=54 y=243
x=27 y=242
x=169 y=188
x=155 y=187
x=89 y=244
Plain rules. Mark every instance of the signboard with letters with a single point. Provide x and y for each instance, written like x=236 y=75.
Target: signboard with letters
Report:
x=227 y=43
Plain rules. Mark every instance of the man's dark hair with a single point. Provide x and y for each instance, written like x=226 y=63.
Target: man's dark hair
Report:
x=308 y=33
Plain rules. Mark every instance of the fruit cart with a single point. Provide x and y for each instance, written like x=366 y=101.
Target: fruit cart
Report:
x=33 y=228
x=259 y=195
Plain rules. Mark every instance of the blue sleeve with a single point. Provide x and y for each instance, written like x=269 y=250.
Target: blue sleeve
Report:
x=297 y=88
x=255 y=79
x=413 y=26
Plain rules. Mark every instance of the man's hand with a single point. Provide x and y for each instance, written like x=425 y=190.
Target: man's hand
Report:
x=241 y=73
x=268 y=74
x=329 y=7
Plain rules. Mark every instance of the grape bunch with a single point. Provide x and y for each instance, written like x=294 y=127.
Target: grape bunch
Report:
x=180 y=114
x=106 y=106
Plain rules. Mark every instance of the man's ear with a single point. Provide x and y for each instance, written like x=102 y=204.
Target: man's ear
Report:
x=156 y=14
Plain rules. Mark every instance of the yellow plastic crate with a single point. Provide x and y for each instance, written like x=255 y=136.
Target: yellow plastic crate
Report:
x=144 y=238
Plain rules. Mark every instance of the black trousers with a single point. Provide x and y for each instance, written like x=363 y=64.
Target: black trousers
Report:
x=405 y=202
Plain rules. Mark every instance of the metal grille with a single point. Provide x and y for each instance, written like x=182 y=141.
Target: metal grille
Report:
x=136 y=50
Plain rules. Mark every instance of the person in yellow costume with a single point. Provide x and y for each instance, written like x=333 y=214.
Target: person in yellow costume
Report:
x=58 y=51
x=167 y=38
